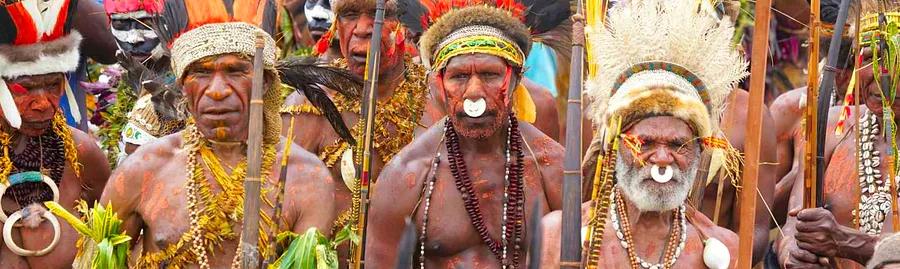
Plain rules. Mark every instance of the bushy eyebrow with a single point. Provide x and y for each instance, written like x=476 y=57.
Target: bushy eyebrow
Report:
x=675 y=141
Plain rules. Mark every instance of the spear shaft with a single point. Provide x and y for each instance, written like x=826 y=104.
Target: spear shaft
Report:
x=250 y=229
x=570 y=244
x=373 y=61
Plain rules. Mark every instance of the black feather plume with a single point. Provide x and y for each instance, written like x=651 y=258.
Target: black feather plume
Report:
x=172 y=22
x=7 y=27
x=309 y=79
x=544 y=15
x=411 y=14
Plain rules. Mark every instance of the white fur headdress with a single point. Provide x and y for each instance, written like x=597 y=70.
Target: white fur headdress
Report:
x=662 y=57
x=36 y=38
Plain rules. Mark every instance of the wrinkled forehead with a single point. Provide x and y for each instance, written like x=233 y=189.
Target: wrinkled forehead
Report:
x=661 y=127
x=343 y=7
x=227 y=61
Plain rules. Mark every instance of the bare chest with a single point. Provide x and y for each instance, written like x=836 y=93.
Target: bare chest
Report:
x=451 y=236
x=859 y=178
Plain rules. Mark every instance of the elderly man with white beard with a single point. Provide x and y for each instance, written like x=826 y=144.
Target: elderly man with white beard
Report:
x=655 y=102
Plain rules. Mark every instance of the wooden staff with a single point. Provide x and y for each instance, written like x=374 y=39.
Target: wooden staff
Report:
x=824 y=99
x=250 y=232
x=373 y=61
x=570 y=241
x=754 y=132
x=812 y=95
x=279 y=199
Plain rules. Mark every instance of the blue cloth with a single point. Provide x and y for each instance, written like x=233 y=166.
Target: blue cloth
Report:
x=540 y=67
x=74 y=77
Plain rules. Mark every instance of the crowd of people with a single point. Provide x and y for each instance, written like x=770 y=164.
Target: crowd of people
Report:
x=293 y=134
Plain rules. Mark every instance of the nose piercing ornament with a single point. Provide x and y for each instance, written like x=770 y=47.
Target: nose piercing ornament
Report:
x=661 y=178
x=474 y=108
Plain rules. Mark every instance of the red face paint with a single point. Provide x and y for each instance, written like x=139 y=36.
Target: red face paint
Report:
x=17 y=88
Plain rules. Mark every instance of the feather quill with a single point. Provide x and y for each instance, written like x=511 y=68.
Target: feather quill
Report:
x=309 y=78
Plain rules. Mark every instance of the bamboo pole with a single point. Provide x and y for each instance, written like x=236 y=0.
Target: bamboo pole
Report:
x=250 y=232
x=570 y=241
x=812 y=95
x=754 y=132
x=370 y=88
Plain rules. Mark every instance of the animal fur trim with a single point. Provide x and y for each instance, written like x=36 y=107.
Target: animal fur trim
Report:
x=474 y=15
x=57 y=56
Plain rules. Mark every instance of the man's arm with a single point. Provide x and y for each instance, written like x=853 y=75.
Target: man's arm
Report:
x=98 y=43
x=308 y=126
x=123 y=191
x=552 y=228
x=766 y=186
x=95 y=167
x=309 y=192
x=392 y=201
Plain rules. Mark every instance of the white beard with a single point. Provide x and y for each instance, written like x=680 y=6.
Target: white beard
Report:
x=648 y=196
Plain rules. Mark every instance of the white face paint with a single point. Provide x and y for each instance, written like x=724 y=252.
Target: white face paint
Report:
x=474 y=108
x=318 y=12
x=134 y=35
x=661 y=177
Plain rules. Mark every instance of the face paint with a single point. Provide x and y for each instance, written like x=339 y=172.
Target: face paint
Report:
x=134 y=36
x=318 y=16
x=474 y=87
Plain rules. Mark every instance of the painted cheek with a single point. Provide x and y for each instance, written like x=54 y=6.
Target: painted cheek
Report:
x=17 y=88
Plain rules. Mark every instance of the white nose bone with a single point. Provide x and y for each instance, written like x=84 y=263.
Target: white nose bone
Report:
x=474 y=108
x=661 y=177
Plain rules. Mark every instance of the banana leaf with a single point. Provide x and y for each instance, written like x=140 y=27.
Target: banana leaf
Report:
x=103 y=243
x=312 y=249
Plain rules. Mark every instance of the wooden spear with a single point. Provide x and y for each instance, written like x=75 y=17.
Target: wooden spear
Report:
x=758 y=62
x=570 y=241
x=373 y=61
x=250 y=232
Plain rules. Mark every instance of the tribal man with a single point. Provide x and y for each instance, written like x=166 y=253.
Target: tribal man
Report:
x=656 y=102
x=860 y=174
x=184 y=191
x=131 y=123
x=470 y=181
x=42 y=158
x=401 y=94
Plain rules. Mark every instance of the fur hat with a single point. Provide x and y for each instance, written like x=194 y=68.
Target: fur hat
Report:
x=36 y=38
x=454 y=23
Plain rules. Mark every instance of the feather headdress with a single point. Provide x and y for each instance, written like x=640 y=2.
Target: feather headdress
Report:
x=195 y=29
x=36 y=38
x=662 y=57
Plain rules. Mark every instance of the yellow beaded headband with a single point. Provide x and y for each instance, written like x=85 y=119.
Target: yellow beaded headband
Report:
x=870 y=27
x=477 y=39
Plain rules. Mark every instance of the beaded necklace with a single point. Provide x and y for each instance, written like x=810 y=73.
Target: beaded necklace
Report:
x=48 y=153
x=513 y=217
x=623 y=232
x=875 y=196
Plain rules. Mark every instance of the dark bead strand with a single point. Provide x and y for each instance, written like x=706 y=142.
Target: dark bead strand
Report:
x=52 y=159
